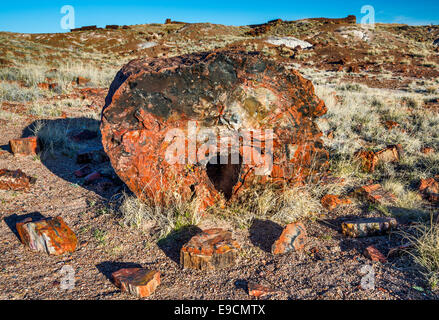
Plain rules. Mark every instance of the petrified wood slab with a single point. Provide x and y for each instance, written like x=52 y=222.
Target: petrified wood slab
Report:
x=50 y=235
x=209 y=250
x=137 y=281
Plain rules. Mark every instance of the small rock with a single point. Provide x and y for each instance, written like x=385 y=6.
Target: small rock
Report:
x=82 y=81
x=375 y=194
x=15 y=180
x=290 y=42
x=330 y=201
x=368 y=160
x=292 y=239
x=368 y=227
x=427 y=150
x=24 y=146
x=83 y=171
x=390 y=154
x=47 y=86
x=92 y=177
x=335 y=249
x=390 y=124
x=374 y=254
x=399 y=249
x=50 y=235
x=137 y=281
x=325 y=180
x=209 y=250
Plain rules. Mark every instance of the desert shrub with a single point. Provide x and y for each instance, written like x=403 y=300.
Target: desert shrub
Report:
x=45 y=110
x=425 y=240
x=14 y=92
x=279 y=204
x=146 y=215
x=54 y=134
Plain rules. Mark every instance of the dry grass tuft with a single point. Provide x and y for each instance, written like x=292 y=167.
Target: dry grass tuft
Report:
x=425 y=240
x=279 y=204
x=148 y=215
x=54 y=134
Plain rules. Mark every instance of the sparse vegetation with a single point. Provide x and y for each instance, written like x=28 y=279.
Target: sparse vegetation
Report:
x=425 y=240
x=148 y=215
x=282 y=205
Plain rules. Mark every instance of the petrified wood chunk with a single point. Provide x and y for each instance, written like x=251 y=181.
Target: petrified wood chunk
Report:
x=374 y=254
x=157 y=105
x=293 y=238
x=15 y=180
x=50 y=235
x=210 y=249
x=258 y=290
x=24 y=146
x=331 y=201
x=137 y=281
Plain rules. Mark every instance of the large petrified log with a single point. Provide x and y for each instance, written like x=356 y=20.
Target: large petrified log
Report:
x=160 y=115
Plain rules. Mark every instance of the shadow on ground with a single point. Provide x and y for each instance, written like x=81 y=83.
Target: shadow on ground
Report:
x=59 y=152
x=172 y=244
x=263 y=233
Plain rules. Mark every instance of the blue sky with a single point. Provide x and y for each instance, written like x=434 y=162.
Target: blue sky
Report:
x=44 y=16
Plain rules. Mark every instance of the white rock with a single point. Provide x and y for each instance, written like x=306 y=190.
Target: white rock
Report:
x=290 y=42
x=148 y=44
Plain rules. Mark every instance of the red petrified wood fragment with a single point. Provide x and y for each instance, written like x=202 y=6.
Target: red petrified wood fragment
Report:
x=137 y=281
x=375 y=194
x=211 y=249
x=92 y=177
x=427 y=150
x=156 y=105
x=50 y=235
x=370 y=159
x=15 y=180
x=257 y=290
x=83 y=171
x=24 y=146
x=330 y=201
x=293 y=238
x=430 y=189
